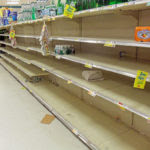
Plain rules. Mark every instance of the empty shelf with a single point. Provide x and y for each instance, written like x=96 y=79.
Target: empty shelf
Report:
x=120 y=42
x=113 y=89
x=100 y=129
x=123 y=66
x=29 y=70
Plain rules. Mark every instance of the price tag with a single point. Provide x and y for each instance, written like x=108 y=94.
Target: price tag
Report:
x=92 y=93
x=140 y=80
x=69 y=82
x=88 y=65
x=121 y=106
x=49 y=19
x=75 y=131
x=110 y=44
x=69 y=11
x=58 y=56
x=53 y=18
x=43 y=69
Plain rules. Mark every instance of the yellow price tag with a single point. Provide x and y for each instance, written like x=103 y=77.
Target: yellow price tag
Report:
x=88 y=65
x=43 y=69
x=92 y=93
x=69 y=11
x=121 y=106
x=110 y=44
x=126 y=4
x=69 y=82
x=140 y=80
x=53 y=18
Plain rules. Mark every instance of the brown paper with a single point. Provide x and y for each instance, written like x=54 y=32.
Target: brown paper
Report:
x=47 y=119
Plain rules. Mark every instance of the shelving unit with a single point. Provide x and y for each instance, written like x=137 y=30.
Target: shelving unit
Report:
x=63 y=88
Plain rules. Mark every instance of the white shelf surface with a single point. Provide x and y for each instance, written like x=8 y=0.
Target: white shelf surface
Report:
x=29 y=70
x=112 y=89
x=98 y=127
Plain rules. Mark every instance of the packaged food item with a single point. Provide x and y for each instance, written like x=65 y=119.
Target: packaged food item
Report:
x=142 y=34
x=64 y=49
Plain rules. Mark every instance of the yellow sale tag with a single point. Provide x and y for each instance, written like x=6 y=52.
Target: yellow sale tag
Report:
x=69 y=11
x=88 y=65
x=92 y=93
x=53 y=18
x=140 y=80
x=121 y=106
x=109 y=44
x=43 y=69
x=69 y=82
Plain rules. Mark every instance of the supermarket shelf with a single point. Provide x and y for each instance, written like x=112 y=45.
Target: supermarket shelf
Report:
x=23 y=36
x=123 y=66
x=111 y=89
x=133 y=6
x=115 y=42
x=17 y=55
x=22 y=47
x=29 y=70
x=95 y=125
x=20 y=77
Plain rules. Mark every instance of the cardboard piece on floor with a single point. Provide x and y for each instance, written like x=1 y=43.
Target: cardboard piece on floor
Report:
x=47 y=119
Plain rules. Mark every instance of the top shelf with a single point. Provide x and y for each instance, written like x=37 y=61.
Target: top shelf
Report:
x=132 y=5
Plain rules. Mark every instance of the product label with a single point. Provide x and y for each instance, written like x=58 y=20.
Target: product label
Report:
x=140 y=80
x=69 y=11
x=144 y=34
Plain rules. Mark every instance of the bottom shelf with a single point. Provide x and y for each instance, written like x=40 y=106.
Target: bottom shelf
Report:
x=99 y=128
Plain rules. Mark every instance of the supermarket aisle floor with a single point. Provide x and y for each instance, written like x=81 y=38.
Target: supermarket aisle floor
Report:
x=20 y=123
